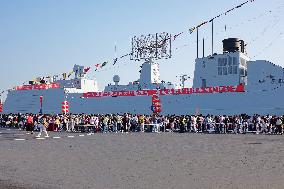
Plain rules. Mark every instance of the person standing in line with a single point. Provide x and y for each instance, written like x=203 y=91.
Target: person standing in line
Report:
x=119 y=122
x=105 y=123
x=97 y=124
x=66 y=123
x=125 y=123
x=92 y=123
x=35 y=122
x=155 y=124
x=43 y=124
x=279 y=126
x=57 y=124
x=134 y=123
x=258 y=124
x=77 y=122
x=30 y=126
x=182 y=123
x=72 y=123
x=114 y=120
x=142 y=122
x=111 y=123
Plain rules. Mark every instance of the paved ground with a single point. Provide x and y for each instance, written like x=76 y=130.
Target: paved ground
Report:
x=141 y=160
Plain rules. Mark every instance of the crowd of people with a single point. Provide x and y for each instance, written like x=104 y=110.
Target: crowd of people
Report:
x=238 y=124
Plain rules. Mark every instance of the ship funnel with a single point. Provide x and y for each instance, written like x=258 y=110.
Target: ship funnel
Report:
x=233 y=45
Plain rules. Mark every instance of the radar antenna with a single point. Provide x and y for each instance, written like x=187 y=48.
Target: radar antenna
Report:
x=151 y=46
x=183 y=79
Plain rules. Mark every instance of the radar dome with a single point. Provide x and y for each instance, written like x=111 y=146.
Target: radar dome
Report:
x=116 y=78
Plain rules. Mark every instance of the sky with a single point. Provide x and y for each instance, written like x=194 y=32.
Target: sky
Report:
x=48 y=37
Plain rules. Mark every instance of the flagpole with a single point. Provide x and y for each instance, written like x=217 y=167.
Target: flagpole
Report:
x=41 y=101
x=197 y=38
x=212 y=37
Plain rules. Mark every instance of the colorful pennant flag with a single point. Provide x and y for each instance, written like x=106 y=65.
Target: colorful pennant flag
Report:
x=114 y=61
x=70 y=73
x=191 y=30
x=98 y=66
x=64 y=75
x=87 y=69
x=104 y=64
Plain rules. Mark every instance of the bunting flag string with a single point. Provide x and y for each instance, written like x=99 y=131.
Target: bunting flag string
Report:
x=125 y=55
x=114 y=61
x=192 y=29
x=99 y=66
x=175 y=36
x=274 y=13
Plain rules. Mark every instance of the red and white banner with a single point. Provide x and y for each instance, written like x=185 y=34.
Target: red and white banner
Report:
x=1 y=107
x=65 y=107
x=156 y=104
x=184 y=91
x=39 y=86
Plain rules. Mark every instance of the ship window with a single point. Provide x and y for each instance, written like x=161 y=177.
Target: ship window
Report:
x=230 y=70
x=235 y=61
x=225 y=71
x=230 y=61
x=235 y=69
x=219 y=70
x=225 y=61
x=203 y=83
x=222 y=66
x=219 y=62
x=222 y=62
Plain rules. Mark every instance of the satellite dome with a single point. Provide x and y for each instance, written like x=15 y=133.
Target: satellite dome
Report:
x=116 y=78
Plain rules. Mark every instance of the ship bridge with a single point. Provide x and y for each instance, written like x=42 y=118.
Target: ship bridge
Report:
x=229 y=68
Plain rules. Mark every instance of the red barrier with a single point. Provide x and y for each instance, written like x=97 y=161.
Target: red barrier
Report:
x=156 y=104
x=65 y=107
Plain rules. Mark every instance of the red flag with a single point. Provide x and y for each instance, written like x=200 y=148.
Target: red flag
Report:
x=87 y=69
